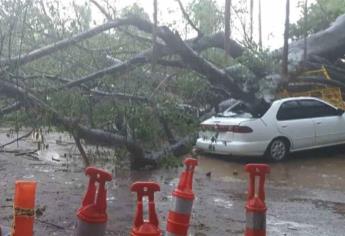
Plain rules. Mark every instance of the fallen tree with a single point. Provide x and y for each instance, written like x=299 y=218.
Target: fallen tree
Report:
x=170 y=51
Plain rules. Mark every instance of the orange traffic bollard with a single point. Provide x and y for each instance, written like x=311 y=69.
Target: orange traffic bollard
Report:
x=256 y=207
x=24 y=208
x=144 y=227
x=183 y=197
x=92 y=216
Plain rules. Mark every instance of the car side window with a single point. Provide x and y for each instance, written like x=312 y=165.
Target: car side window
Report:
x=290 y=110
x=314 y=108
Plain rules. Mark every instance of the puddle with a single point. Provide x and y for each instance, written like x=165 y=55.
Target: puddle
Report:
x=336 y=207
x=223 y=203
x=28 y=176
x=288 y=224
x=322 y=168
x=279 y=227
x=111 y=198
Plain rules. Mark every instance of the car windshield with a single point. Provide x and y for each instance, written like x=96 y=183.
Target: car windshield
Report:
x=244 y=111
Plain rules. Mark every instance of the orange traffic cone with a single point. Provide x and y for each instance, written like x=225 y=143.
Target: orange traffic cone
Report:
x=92 y=216
x=24 y=208
x=183 y=197
x=144 y=227
x=256 y=207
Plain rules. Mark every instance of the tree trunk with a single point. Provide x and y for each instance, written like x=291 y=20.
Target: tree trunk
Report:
x=286 y=43
x=154 y=35
x=251 y=19
x=260 y=26
x=305 y=12
x=227 y=24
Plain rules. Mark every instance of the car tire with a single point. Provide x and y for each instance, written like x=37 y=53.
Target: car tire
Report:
x=278 y=150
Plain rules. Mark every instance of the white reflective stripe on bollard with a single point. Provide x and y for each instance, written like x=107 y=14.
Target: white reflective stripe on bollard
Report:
x=182 y=206
x=255 y=220
x=5 y=231
x=87 y=229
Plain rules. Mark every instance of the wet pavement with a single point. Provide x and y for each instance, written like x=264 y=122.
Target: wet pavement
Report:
x=305 y=194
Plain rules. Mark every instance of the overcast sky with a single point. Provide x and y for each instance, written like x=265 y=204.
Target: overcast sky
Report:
x=273 y=15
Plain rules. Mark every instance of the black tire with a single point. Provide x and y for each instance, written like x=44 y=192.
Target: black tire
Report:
x=278 y=150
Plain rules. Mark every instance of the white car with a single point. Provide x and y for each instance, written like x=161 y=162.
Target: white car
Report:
x=287 y=125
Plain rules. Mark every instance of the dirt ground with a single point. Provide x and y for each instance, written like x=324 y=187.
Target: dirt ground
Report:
x=305 y=194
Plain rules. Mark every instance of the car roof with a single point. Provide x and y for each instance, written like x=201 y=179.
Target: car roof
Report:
x=299 y=98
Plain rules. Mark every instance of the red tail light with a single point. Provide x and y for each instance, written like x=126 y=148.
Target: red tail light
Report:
x=227 y=128
x=242 y=129
x=208 y=127
x=223 y=128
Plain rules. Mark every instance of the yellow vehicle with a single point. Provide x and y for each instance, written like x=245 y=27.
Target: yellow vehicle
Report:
x=331 y=94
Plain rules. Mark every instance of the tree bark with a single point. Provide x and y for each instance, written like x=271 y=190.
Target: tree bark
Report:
x=190 y=22
x=251 y=19
x=260 y=26
x=82 y=151
x=227 y=24
x=11 y=108
x=286 y=43
x=154 y=35
x=305 y=13
x=328 y=43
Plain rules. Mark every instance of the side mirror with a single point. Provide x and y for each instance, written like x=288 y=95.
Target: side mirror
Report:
x=340 y=112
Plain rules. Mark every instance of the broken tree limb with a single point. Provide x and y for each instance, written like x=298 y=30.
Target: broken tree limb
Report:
x=10 y=108
x=215 y=75
x=132 y=20
x=179 y=148
x=102 y=10
x=81 y=151
x=118 y=68
x=27 y=153
x=17 y=139
x=93 y=136
x=190 y=22
x=96 y=136
x=328 y=43
x=51 y=48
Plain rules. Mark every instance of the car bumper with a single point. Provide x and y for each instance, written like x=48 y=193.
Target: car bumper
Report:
x=235 y=148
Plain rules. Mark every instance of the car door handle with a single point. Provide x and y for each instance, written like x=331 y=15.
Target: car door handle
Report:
x=284 y=126
x=318 y=123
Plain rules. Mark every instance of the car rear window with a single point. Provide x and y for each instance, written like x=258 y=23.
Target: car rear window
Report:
x=246 y=111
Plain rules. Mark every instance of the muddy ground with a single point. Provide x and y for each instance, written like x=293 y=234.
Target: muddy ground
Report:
x=305 y=194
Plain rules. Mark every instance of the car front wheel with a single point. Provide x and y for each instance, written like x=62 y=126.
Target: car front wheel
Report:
x=277 y=150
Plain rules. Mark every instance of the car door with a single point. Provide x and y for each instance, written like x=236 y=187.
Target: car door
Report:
x=294 y=123
x=329 y=123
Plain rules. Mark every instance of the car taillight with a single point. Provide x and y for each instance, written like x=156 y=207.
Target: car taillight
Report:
x=241 y=129
x=223 y=128
x=227 y=128
x=208 y=127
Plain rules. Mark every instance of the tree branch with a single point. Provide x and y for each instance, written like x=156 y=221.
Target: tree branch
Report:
x=186 y=16
x=102 y=10
x=10 y=108
x=81 y=150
